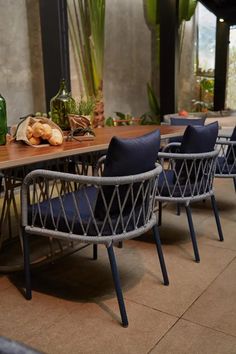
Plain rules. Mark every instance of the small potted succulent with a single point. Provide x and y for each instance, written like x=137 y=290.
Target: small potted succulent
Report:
x=81 y=119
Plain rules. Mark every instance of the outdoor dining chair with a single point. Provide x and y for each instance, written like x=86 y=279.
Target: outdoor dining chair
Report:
x=226 y=162
x=188 y=175
x=97 y=210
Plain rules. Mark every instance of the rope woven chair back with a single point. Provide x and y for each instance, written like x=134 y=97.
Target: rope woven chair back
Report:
x=186 y=176
x=226 y=163
x=64 y=206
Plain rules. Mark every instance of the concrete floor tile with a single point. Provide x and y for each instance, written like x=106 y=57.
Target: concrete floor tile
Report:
x=216 y=308
x=4 y=282
x=189 y=338
x=95 y=328
x=20 y=319
x=188 y=279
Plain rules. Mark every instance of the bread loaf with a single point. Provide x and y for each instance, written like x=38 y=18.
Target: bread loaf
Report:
x=56 y=138
x=35 y=141
x=37 y=129
x=47 y=133
x=29 y=132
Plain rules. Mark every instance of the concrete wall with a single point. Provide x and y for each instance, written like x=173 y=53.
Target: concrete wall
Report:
x=127 y=66
x=21 y=70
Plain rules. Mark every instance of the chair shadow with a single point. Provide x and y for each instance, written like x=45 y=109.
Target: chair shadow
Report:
x=78 y=278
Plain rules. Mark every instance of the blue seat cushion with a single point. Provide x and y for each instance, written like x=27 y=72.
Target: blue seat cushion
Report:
x=224 y=166
x=126 y=157
x=167 y=186
x=50 y=215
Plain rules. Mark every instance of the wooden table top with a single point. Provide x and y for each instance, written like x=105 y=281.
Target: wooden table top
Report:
x=19 y=154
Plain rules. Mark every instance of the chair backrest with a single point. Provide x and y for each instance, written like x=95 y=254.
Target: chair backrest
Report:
x=187 y=121
x=231 y=152
x=190 y=173
x=226 y=163
x=196 y=139
x=62 y=205
x=127 y=157
x=186 y=176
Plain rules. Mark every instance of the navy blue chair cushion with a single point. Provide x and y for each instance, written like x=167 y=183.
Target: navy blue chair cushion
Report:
x=229 y=153
x=51 y=216
x=196 y=139
x=199 y=139
x=224 y=166
x=185 y=121
x=127 y=157
x=167 y=186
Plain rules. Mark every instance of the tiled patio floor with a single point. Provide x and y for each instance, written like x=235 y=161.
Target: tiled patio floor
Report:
x=74 y=308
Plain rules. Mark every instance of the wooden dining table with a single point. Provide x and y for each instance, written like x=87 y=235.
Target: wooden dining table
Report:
x=17 y=154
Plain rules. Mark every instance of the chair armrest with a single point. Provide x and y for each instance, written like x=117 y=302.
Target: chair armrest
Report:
x=98 y=169
x=169 y=146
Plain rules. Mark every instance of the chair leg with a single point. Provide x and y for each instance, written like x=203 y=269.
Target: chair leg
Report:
x=235 y=184
x=120 y=244
x=28 y=293
x=159 y=214
x=178 y=209
x=216 y=213
x=160 y=254
x=95 y=251
x=192 y=233
x=116 y=280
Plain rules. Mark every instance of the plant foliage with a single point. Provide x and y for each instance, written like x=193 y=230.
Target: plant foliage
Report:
x=86 y=26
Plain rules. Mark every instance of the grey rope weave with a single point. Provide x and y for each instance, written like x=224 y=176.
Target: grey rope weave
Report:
x=44 y=191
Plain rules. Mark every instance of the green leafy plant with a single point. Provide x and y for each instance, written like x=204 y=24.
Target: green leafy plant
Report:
x=85 y=106
x=86 y=28
x=153 y=116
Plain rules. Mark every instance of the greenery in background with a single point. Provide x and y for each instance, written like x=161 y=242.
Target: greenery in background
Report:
x=206 y=92
x=153 y=116
x=152 y=18
x=186 y=11
x=231 y=87
x=86 y=28
x=85 y=106
x=120 y=120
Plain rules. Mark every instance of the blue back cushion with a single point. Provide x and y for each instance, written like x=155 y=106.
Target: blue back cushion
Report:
x=127 y=157
x=196 y=139
x=187 y=121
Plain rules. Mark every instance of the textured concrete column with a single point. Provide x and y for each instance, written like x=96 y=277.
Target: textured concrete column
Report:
x=20 y=58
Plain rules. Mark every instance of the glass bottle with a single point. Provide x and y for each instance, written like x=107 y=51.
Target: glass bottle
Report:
x=3 y=121
x=61 y=105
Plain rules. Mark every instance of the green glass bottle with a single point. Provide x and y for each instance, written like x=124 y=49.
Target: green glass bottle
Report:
x=61 y=105
x=3 y=121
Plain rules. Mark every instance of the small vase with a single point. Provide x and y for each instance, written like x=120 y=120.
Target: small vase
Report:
x=61 y=105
